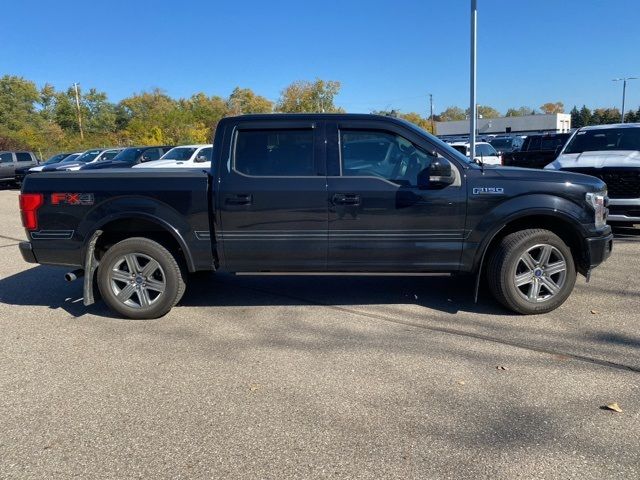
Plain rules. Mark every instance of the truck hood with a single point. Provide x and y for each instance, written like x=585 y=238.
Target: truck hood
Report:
x=590 y=184
x=601 y=159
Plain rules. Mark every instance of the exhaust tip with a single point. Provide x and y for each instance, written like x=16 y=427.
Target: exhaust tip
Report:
x=74 y=275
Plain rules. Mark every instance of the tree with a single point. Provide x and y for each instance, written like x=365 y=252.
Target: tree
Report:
x=557 y=107
x=99 y=114
x=630 y=117
x=18 y=98
x=243 y=100
x=451 y=114
x=519 y=112
x=305 y=96
x=484 y=111
x=585 y=116
x=604 y=116
x=576 y=118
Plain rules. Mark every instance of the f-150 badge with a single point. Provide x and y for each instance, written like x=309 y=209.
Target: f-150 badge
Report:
x=488 y=191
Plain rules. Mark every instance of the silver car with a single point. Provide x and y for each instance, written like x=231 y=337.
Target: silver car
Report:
x=10 y=161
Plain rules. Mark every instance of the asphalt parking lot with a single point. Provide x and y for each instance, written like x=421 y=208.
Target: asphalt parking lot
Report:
x=318 y=377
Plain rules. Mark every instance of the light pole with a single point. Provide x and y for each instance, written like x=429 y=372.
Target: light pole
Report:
x=75 y=86
x=433 y=130
x=472 y=100
x=624 y=91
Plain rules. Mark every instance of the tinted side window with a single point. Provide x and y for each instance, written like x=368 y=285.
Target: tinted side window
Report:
x=275 y=153
x=108 y=155
x=6 y=158
x=23 y=157
x=151 y=154
x=382 y=154
x=534 y=143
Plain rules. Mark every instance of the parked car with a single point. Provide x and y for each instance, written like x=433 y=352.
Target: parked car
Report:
x=21 y=172
x=184 y=156
x=86 y=158
x=12 y=161
x=129 y=157
x=611 y=153
x=537 y=151
x=506 y=144
x=318 y=193
x=484 y=151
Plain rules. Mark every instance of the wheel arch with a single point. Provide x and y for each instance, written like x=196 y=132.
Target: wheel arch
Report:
x=124 y=225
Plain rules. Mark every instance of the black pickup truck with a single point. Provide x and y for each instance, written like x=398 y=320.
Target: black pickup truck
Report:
x=537 y=151
x=318 y=193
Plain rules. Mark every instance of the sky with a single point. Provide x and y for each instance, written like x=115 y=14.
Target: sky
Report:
x=386 y=53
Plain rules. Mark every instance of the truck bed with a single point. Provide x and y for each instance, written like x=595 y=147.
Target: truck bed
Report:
x=76 y=204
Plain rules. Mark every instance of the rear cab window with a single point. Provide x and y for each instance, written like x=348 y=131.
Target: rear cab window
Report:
x=274 y=153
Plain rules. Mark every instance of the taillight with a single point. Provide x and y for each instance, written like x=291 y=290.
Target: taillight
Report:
x=29 y=204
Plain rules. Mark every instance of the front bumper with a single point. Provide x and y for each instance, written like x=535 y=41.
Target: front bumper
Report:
x=625 y=210
x=599 y=249
x=27 y=252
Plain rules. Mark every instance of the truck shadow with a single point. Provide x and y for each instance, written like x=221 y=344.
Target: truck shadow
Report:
x=45 y=286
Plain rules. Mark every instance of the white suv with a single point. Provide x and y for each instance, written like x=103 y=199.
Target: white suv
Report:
x=484 y=151
x=184 y=156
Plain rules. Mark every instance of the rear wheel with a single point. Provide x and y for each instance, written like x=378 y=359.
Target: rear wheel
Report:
x=531 y=271
x=140 y=279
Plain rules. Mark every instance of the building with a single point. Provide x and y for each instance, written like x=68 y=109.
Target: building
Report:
x=528 y=124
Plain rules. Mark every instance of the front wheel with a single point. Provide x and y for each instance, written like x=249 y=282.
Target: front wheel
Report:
x=531 y=271
x=140 y=279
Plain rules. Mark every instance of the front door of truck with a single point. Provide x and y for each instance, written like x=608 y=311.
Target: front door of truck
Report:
x=272 y=198
x=379 y=218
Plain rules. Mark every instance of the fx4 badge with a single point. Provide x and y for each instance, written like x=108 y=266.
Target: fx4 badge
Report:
x=488 y=191
x=72 y=199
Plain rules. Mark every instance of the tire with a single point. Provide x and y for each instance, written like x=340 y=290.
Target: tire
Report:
x=531 y=271
x=154 y=286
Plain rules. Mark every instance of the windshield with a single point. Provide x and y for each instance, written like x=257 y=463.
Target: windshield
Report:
x=56 y=158
x=128 y=154
x=179 y=153
x=88 y=156
x=598 y=140
x=71 y=158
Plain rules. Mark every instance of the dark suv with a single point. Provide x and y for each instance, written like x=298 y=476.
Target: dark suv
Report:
x=131 y=156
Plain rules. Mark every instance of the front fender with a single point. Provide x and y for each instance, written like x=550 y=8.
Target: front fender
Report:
x=483 y=227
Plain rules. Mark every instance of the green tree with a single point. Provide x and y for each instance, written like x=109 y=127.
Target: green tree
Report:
x=452 y=113
x=305 y=96
x=576 y=118
x=550 y=107
x=244 y=100
x=586 y=116
x=519 y=112
x=18 y=99
x=484 y=111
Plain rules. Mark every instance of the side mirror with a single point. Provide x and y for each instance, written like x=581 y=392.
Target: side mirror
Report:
x=201 y=159
x=437 y=175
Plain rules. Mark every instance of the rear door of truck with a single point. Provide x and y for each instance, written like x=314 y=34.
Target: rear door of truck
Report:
x=272 y=196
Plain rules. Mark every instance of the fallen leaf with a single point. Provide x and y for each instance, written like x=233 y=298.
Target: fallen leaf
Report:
x=614 y=407
x=461 y=382
x=254 y=387
x=593 y=312
x=500 y=367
